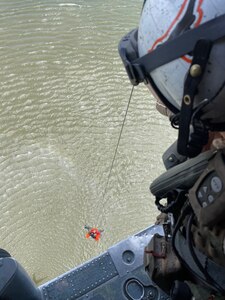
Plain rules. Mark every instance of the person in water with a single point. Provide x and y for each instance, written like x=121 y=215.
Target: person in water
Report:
x=93 y=232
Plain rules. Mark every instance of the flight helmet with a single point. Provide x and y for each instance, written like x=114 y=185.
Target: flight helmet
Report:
x=178 y=51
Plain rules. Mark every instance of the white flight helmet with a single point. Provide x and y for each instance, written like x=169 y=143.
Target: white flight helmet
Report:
x=164 y=20
x=178 y=50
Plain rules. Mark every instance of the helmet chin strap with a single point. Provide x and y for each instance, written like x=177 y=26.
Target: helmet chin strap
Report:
x=193 y=135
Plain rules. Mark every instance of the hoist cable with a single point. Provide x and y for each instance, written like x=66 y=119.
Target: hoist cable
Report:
x=118 y=142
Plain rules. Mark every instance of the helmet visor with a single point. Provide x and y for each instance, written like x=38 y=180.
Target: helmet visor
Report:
x=128 y=50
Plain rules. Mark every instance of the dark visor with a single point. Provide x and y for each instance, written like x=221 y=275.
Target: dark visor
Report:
x=139 y=68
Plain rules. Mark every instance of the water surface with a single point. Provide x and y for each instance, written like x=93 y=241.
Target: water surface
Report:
x=64 y=93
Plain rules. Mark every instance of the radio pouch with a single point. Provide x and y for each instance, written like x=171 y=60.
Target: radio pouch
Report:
x=207 y=196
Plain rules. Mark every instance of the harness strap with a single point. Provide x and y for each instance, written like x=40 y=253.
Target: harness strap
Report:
x=200 y=57
x=138 y=69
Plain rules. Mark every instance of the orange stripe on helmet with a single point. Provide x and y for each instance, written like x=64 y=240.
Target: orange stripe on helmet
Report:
x=196 y=24
x=160 y=39
x=200 y=14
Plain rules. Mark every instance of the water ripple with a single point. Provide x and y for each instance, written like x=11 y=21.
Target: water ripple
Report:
x=64 y=93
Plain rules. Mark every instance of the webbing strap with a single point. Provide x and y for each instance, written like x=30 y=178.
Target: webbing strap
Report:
x=200 y=57
x=179 y=46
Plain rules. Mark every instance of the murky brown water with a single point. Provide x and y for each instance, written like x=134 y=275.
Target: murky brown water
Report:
x=64 y=94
